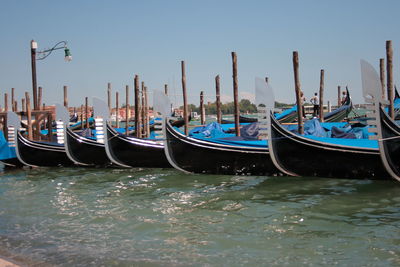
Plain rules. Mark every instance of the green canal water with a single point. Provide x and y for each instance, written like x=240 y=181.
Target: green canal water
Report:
x=161 y=217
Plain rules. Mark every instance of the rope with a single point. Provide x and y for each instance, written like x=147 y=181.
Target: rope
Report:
x=389 y=138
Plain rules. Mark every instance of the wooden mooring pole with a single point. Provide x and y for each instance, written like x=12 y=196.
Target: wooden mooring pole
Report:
x=143 y=119
x=23 y=106
x=338 y=96
x=65 y=88
x=29 y=115
x=13 y=99
x=218 y=100
x=40 y=98
x=298 y=92
x=117 y=109
x=5 y=102
x=109 y=96
x=202 y=111
x=49 y=126
x=82 y=125
x=127 y=109
x=235 y=93
x=137 y=113
x=382 y=76
x=389 y=71
x=87 y=111
x=185 y=106
x=321 y=96
x=146 y=102
x=166 y=89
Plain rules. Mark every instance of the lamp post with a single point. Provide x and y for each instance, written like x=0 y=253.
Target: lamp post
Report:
x=34 y=83
x=40 y=55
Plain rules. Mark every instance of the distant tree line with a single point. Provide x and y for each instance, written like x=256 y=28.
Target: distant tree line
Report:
x=245 y=106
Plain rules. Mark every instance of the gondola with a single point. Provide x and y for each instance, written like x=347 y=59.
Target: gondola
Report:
x=87 y=150
x=41 y=154
x=176 y=122
x=340 y=113
x=84 y=150
x=301 y=155
x=196 y=155
x=242 y=119
x=222 y=155
x=290 y=115
x=129 y=151
x=287 y=116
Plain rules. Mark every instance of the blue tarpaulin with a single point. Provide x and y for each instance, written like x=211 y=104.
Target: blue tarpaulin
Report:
x=311 y=127
x=212 y=130
x=333 y=130
x=6 y=152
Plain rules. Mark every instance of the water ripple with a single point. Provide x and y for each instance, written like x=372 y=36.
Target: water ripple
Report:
x=117 y=217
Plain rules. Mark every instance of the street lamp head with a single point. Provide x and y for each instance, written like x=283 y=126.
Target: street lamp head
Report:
x=34 y=44
x=68 y=56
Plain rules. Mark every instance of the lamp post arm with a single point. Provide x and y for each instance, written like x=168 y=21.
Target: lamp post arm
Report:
x=47 y=52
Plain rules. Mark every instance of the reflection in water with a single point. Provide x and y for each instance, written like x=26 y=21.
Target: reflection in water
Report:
x=162 y=217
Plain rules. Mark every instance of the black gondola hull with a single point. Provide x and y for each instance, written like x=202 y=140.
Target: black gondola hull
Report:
x=85 y=151
x=302 y=156
x=135 y=152
x=35 y=153
x=198 y=156
x=390 y=142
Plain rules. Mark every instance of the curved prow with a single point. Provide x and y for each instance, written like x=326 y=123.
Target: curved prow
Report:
x=162 y=106
x=372 y=94
x=270 y=116
x=265 y=102
x=162 y=109
x=370 y=86
x=100 y=109
x=13 y=121
x=348 y=101
x=13 y=126
x=101 y=115
x=62 y=117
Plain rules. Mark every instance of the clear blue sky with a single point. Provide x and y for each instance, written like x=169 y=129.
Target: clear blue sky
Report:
x=111 y=41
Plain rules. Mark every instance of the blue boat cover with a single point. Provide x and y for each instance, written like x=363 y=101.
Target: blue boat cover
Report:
x=311 y=127
x=211 y=130
x=333 y=129
x=6 y=152
x=332 y=132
